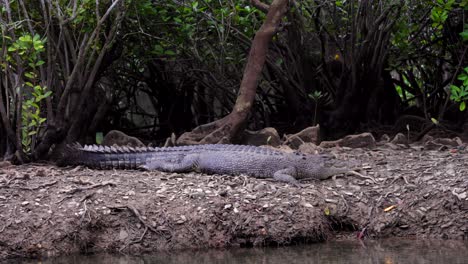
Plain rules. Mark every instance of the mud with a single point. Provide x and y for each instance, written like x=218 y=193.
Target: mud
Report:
x=405 y=192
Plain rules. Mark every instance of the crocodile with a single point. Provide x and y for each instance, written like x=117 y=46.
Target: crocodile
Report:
x=259 y=162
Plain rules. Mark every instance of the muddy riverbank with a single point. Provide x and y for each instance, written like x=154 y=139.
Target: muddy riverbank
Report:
x=406 y=192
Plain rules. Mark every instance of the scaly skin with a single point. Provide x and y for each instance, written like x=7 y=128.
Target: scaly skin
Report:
x=213 y=159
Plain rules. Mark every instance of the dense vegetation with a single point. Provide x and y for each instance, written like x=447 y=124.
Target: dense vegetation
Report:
x=72 y=69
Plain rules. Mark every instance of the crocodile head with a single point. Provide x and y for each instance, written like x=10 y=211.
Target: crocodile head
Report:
x=318 y=166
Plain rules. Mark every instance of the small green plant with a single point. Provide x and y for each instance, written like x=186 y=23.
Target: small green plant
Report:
x=31 y=117
x=459 y=94
x=316 y=95
x=28 y=48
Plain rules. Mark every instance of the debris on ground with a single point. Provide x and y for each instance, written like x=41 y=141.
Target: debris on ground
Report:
x=404 y=191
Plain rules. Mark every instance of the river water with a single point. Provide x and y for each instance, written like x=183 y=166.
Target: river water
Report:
x=384 y=251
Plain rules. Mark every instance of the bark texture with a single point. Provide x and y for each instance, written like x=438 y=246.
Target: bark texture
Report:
x=227 y=129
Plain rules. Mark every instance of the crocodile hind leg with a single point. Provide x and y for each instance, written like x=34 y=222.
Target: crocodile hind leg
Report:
x=188 y=163
x=285 y=175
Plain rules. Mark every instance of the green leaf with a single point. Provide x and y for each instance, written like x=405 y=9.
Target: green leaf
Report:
x=38 y=47
x=29 y=75
x=11 y=49
x=26 y=38
x=169 y=52
x=32 y=133
x=464 y=35
x=462 y=106
x=99 y=138
x=195 y=5
x=455 y=89
x=38 y=89
x=158 y=49
x=435 y=121
x=39 y=63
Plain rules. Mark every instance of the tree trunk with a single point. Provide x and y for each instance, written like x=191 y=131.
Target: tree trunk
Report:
x=228 y=128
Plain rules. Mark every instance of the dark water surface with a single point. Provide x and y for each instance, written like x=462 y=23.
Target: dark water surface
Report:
x=384 y=251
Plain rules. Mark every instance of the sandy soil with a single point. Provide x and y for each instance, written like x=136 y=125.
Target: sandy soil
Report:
x=407 y=192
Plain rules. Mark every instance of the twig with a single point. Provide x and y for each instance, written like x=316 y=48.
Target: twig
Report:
x=79 y=189
x=6 y=185
x=47 y=184
x=141 y=237
x=135 y=241
x=362 y=176
x=137 y=214
x=84 y=212
x=7 y=181
x=86 y=197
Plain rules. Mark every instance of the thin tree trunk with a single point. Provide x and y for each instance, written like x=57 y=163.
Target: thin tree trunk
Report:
x=228 y=128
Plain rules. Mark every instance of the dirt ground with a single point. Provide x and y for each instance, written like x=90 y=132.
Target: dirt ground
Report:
x=407 y=192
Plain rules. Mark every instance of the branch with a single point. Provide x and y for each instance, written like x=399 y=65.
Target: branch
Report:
x=81 y=57
x=260 y=5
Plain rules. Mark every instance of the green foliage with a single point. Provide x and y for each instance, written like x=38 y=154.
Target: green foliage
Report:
x=85 y=20
x=440 y=12
x=419 y=50
x=203 y=30
x=404 y=94
x=459 y=94
x=28 y=48
x=31 y=116
x=208 y=42
x=464 y=33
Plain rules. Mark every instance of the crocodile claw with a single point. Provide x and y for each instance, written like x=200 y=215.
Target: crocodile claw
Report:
x=143 y=167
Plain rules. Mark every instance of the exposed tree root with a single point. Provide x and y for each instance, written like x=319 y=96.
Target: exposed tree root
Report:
x=217 y=132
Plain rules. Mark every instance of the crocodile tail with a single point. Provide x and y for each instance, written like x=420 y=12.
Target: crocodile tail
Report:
x=103 y=157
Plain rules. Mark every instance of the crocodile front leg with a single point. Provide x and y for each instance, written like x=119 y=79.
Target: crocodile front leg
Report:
x=285 y=175
x=188 y=163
